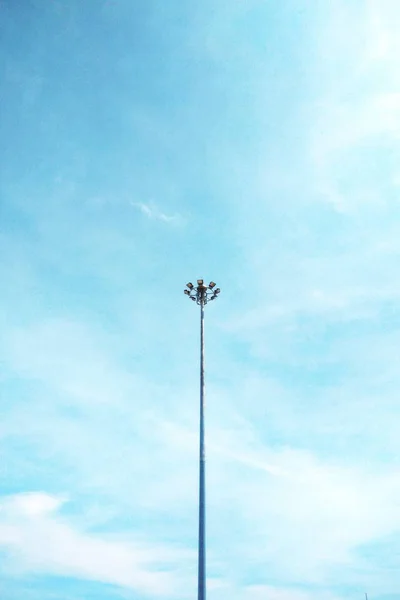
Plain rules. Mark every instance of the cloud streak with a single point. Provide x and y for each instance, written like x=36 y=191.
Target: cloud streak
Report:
x=343 y=507
x=151 y=211
x=64 y=550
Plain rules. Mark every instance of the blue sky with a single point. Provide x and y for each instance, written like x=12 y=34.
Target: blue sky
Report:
x=148 y=143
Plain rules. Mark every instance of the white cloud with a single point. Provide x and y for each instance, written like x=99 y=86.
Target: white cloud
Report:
x=358 y=105
x=65 y=354
x=264 y=592
x=151 y=211
x=33 y=504
x=42 y=541
x=300 y=515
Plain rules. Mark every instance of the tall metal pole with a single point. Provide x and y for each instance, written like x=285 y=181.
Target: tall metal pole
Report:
x=201 y=592
x=202 y=295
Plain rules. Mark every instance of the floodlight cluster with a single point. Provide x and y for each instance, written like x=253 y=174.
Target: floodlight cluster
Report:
x=202 y=293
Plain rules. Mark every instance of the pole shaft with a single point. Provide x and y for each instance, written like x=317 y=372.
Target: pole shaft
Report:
x=202 y=464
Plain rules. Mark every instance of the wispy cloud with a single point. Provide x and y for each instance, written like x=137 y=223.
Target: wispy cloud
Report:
x=357 y=113
x=151 y=211
x=41 y=540
x=260 y=592
x=342 y=506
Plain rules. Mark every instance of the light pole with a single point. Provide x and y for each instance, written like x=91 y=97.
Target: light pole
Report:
x=202 y=294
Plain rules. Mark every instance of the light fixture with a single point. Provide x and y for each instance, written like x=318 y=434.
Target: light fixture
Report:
x=201 y=294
